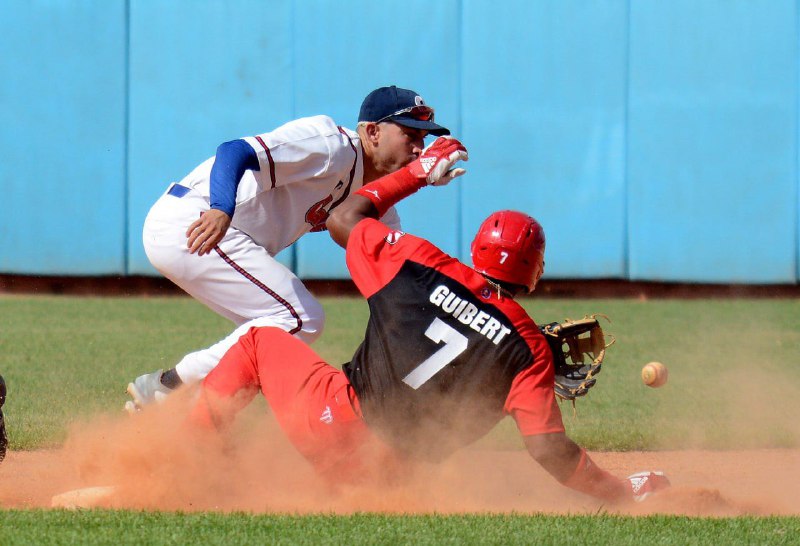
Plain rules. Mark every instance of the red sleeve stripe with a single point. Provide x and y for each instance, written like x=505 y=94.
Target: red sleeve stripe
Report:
x=352 y=171
x=271 y=162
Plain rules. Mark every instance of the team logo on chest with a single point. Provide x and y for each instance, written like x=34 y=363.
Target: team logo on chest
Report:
x=316 y=215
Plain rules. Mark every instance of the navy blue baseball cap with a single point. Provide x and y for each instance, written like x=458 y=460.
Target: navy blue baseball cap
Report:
x=402 y=106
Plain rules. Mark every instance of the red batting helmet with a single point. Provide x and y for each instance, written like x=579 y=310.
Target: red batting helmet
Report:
x=509 y=247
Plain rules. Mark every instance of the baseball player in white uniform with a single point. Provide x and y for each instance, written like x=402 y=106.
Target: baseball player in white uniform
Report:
x=215 y=232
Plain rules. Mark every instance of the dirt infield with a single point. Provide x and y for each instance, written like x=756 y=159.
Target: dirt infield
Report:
x=153 y=467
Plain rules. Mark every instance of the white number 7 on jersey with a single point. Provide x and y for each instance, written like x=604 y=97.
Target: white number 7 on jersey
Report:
x=455 y=343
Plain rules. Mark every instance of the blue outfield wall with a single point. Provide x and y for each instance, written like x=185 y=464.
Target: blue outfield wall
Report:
x=544 y=119
x=712 y=141
x=201 y=74
x=62 y=137
x=654 y=141
x=342 y=51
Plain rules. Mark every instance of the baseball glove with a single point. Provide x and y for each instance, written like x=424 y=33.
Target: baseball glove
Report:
x=578 y=348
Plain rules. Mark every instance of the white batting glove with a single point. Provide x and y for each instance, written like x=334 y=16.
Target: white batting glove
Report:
x=644 y=484
x=436 y=163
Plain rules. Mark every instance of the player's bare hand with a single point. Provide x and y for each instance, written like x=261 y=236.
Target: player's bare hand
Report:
x=207 y=231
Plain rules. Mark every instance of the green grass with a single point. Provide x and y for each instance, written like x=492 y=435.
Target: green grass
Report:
x=122 y=527
x=729 y=361
x=731 y=368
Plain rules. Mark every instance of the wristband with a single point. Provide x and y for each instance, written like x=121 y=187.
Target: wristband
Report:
x=390 y=189
x=591 y=479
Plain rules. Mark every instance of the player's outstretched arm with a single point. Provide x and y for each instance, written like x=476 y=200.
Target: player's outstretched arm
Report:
x=556 y=452
x=435 y=167
x=345 y=217
x=567 y=462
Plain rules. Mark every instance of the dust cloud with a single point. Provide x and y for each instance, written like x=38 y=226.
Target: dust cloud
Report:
x=156 y=461
x=732 y=369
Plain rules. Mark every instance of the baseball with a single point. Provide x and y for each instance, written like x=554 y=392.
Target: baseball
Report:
x=654 y=374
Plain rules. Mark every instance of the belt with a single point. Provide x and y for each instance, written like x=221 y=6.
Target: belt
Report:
x=177 y=190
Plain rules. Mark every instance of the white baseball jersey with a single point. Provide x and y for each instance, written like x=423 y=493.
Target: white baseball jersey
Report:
x=307 y=167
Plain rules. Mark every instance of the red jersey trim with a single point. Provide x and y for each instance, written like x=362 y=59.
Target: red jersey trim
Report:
x=269 y=158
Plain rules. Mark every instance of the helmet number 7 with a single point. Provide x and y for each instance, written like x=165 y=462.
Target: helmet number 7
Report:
x=503 y=256
x=455 y=343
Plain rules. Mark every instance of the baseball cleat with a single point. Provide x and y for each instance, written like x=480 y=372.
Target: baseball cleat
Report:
x=145 y=390
x=3 y=435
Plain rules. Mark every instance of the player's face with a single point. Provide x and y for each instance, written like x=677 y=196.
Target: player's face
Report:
x=398 y=146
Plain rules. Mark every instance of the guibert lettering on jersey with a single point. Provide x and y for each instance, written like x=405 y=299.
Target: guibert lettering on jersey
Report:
x=466 y=313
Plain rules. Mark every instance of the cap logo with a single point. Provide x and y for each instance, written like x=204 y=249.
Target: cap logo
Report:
x=419 y=101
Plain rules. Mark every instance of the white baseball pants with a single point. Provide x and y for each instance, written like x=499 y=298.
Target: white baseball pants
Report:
x=239 y=280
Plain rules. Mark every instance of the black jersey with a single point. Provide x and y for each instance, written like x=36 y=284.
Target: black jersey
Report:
x=444 y=358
